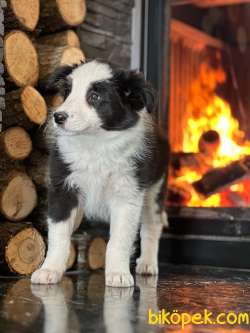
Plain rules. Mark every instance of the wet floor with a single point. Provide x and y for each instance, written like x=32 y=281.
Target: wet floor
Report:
x=81 y=303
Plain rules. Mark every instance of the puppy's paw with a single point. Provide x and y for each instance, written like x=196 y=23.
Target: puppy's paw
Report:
x=146 y=267
x=46 y=276
x=114 y=279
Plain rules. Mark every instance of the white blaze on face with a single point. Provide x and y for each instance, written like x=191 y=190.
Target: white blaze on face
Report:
x=81 y=115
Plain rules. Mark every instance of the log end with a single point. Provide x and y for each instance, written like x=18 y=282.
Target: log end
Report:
x=72 y=12
x=34 y=105
x=17 y=143
x=27 y=12
x=72 y=39
x=18 y=197
x=21 y=58
x=72 y=56
x=25 y=251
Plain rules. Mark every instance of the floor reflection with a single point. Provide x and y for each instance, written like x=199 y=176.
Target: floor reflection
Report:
x=81 y=303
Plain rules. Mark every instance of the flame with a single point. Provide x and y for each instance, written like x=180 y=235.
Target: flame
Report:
x=207 y=111
x=217 y=115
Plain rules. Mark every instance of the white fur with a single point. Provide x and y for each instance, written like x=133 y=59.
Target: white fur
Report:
x=58 y=252
x=109 y=190
x=152 y=224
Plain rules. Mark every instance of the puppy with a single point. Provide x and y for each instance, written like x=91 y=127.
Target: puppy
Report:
x=107 y=162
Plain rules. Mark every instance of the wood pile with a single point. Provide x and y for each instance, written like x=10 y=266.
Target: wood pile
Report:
x=39 y=36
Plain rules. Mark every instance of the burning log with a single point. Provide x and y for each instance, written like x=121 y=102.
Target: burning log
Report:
x=194 y=161
x=209 y=143
x=218 y=179
x=178 y=195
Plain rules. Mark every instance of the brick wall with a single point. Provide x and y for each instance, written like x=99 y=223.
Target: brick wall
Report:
x=106 y=31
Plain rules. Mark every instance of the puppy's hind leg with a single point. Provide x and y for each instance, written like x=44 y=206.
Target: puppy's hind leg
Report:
x=154 y=218
x=63 y=215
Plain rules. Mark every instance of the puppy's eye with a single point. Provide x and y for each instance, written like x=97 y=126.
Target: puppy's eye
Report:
x=93 y=97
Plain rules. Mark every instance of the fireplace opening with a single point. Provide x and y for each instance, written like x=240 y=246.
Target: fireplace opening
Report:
x=209 y=106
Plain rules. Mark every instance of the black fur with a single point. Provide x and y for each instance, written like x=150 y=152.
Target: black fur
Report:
x=121 y=98
x=58 y=82
x=150 y=167
x=61 y=199
x=135 y=92
x=110 y=108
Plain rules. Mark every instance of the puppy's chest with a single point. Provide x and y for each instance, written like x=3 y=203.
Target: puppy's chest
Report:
x=99 y=180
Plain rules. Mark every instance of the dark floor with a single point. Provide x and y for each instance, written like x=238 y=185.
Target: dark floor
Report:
x=81 y=303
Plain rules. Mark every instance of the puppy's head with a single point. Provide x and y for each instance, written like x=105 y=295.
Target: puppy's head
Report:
x=96 y=97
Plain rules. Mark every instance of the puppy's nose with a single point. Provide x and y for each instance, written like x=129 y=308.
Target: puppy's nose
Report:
x=60 y=117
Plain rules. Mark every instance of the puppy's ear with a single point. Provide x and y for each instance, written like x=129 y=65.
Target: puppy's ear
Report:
x=55 y=83
x=135 y=90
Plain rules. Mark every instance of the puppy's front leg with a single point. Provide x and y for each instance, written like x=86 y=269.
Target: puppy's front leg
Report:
x=125 y=219
x=63 y=216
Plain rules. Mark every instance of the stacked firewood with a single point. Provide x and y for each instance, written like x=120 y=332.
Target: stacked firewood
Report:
x=39 y=36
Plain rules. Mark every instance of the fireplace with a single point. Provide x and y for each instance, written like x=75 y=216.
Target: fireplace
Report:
x=210 y=145
x=201 y=52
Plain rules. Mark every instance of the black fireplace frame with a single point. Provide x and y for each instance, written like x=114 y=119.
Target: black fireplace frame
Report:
x=197 y=236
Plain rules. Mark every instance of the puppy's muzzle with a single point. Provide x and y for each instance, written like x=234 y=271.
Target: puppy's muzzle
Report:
x=60 y=117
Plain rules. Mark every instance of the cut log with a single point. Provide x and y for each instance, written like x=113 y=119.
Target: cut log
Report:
x=53 y=101
x=72 y=256
x=22 y=14
x=21 y=58
x=24 y=107
x=18 y=196
x=218 y=179
x=178 y=195
x=22 y=248
x=56 y=15
x=180 y=162
x=96 y=251
x=65 y=38
x=15 y=143
x=18 y=311
x=51 y=57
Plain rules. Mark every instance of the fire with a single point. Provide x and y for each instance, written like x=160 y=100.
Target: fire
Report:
x=217 y=116
x=209 y=113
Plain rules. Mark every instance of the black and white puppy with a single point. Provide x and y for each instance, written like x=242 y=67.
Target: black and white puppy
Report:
x=107 y=163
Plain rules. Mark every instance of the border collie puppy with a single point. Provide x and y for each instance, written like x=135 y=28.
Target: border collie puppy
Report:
x=107 y=163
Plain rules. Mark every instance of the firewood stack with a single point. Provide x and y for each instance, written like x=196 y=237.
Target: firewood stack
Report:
x=39 y=36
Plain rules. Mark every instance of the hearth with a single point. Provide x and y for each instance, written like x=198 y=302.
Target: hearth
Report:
x=196 y=54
